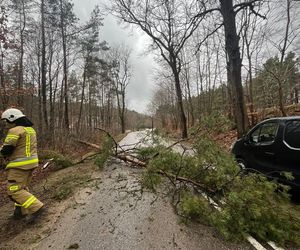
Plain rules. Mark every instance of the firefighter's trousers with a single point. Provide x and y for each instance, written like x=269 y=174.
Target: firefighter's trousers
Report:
x=17 y=188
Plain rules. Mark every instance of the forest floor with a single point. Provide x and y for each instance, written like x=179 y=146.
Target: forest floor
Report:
x=107 y=209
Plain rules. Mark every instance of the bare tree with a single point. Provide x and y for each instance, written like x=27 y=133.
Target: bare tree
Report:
x=20 y=6
x=234 y=65
x=169 y=24
x=187 y=81
x=43 y=66
x=234 y=61
x=287 y=36
x=90 y=52
x=121 y=72
x=253 y=35
x=164 y=103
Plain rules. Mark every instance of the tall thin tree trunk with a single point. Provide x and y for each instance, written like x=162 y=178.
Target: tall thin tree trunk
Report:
x=40 y=112
x=61 y=117
x=296 y=96
x=190 y=102
x=43 y=67
x=234 y=65
x=65 y=68
x=123 y=113
x=282 y=55
x=250 y=86
x=2 y=81
x=21 y=71
x=51 y=93
x=81 y=100
x=182 y=117
x=200 y=88
x=280 y=97
x=89 y=106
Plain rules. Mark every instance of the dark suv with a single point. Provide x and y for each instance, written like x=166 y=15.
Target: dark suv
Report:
x=271 y=147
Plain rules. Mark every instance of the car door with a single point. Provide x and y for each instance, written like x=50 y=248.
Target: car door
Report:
x=263 y=147
x=289 y=157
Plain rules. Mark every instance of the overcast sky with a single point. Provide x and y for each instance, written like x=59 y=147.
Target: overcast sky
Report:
x=140 y=89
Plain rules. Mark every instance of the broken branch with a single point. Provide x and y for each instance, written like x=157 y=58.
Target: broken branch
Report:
x=89 y=144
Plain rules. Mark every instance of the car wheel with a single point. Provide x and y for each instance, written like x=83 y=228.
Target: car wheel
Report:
x=242 y=164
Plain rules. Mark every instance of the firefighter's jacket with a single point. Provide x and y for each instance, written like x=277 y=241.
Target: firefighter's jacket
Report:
x=24 y=155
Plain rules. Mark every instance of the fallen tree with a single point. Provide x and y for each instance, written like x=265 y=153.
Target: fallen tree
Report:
x=129 y=158
x=248 y=204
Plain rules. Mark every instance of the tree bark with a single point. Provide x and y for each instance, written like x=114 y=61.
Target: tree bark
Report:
x=296 y=96
x=21 y=71
x=234 y=65
x=4 y=98
x=282 y=55
x=65 y=69
x=82 y=99
x=123 y=113
x=182 y=117
x=187 y=78
x=43 y=67
x=51 y=92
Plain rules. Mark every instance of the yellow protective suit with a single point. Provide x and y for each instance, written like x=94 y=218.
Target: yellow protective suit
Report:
x=21 y=164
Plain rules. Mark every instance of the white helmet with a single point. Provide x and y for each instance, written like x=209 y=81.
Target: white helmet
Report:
x=12 y=114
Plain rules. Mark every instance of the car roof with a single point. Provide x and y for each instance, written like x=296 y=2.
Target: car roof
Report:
x=286 y=118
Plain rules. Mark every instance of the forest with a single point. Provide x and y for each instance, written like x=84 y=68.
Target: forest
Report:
x=234 y=61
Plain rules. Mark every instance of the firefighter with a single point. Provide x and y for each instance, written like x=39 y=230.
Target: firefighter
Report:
x=20 y=152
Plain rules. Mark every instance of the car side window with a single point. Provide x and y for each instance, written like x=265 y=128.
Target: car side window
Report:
x=254 y=136
x=292 y=134
x=265 y=134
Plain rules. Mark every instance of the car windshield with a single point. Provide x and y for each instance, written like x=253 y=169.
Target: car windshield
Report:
x=292 y=134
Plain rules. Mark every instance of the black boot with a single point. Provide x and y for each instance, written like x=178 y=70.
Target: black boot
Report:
x=35 y=216
x=18 y=214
